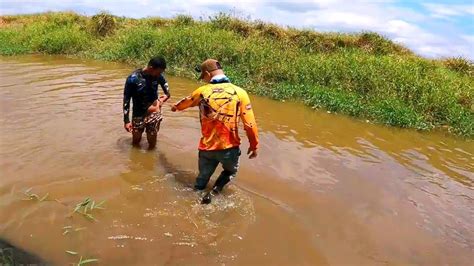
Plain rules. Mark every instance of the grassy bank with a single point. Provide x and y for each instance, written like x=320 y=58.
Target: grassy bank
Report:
x=362 y=75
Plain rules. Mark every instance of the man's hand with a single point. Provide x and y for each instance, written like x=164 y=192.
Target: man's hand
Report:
x=128 y=127
x=173 y=108
x=252 y=153
x=163 y=99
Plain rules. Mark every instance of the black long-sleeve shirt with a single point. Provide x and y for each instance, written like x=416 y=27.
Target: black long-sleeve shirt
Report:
x=143 y=90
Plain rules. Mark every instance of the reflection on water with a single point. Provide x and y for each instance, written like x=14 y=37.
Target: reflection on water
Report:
x=326 y=189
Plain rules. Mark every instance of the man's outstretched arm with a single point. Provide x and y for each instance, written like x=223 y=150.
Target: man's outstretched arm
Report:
x=250 y=125
x=190 y=101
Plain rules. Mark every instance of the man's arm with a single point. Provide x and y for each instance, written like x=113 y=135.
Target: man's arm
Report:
x=250 y=125
x=127 y=95
x=165 y=87
x=190 y=101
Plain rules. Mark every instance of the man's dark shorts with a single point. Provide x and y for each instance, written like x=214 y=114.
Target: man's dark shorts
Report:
x=150 y=123
x=208 y=162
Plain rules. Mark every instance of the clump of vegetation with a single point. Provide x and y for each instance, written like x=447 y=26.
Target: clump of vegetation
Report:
x=102 y=24
x=157 y=22
x=364 y=74
x=64 y=18
x=374 y=43
x=6 y=256
x=227 y=22
x=11 y=255
x=183 y=20
x=61 y=40
x=460 y=65
x=270 y=30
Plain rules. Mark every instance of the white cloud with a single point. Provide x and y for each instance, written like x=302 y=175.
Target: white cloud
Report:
x=398 y=24
x=344 y=19
x=469 y=38
x=447 y=11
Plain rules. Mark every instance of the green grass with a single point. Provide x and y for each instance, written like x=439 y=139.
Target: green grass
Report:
x=363 y=75
x=6 y=257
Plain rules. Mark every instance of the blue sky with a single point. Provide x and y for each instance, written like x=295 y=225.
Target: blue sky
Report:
x=432 y=28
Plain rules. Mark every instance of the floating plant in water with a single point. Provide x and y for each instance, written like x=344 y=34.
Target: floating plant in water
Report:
x=86 y=206
x=71 y=252
x=81 y=260
x=86 y=261
x=33 y=196
x=68 y=229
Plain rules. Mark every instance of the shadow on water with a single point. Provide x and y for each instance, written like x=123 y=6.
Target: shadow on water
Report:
x=144 y=164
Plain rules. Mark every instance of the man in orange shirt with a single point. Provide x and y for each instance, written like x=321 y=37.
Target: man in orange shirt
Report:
x=221 y=105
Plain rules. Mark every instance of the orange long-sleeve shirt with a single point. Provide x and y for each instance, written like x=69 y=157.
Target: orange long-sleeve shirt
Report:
x=222 y=105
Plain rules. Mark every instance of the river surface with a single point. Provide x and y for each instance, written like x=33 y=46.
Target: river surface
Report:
x=325 y=189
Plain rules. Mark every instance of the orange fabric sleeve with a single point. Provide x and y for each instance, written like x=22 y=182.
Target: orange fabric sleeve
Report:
x=190 y=101
x=248 y=119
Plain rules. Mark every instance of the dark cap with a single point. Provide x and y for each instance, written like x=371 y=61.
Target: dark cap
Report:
x=209 y=65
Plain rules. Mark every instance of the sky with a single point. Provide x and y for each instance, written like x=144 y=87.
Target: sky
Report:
x=431 y=28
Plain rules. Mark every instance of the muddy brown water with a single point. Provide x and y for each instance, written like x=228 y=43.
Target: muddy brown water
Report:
x=325 y=190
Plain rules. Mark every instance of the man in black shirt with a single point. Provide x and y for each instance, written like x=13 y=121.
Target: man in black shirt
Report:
x=142 y=88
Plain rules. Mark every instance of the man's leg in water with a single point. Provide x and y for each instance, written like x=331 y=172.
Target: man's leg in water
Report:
x=151 y=137
x=230 y=163
x=153 y=122
x=136 y=137
x=207 y=166
x=137 y=131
